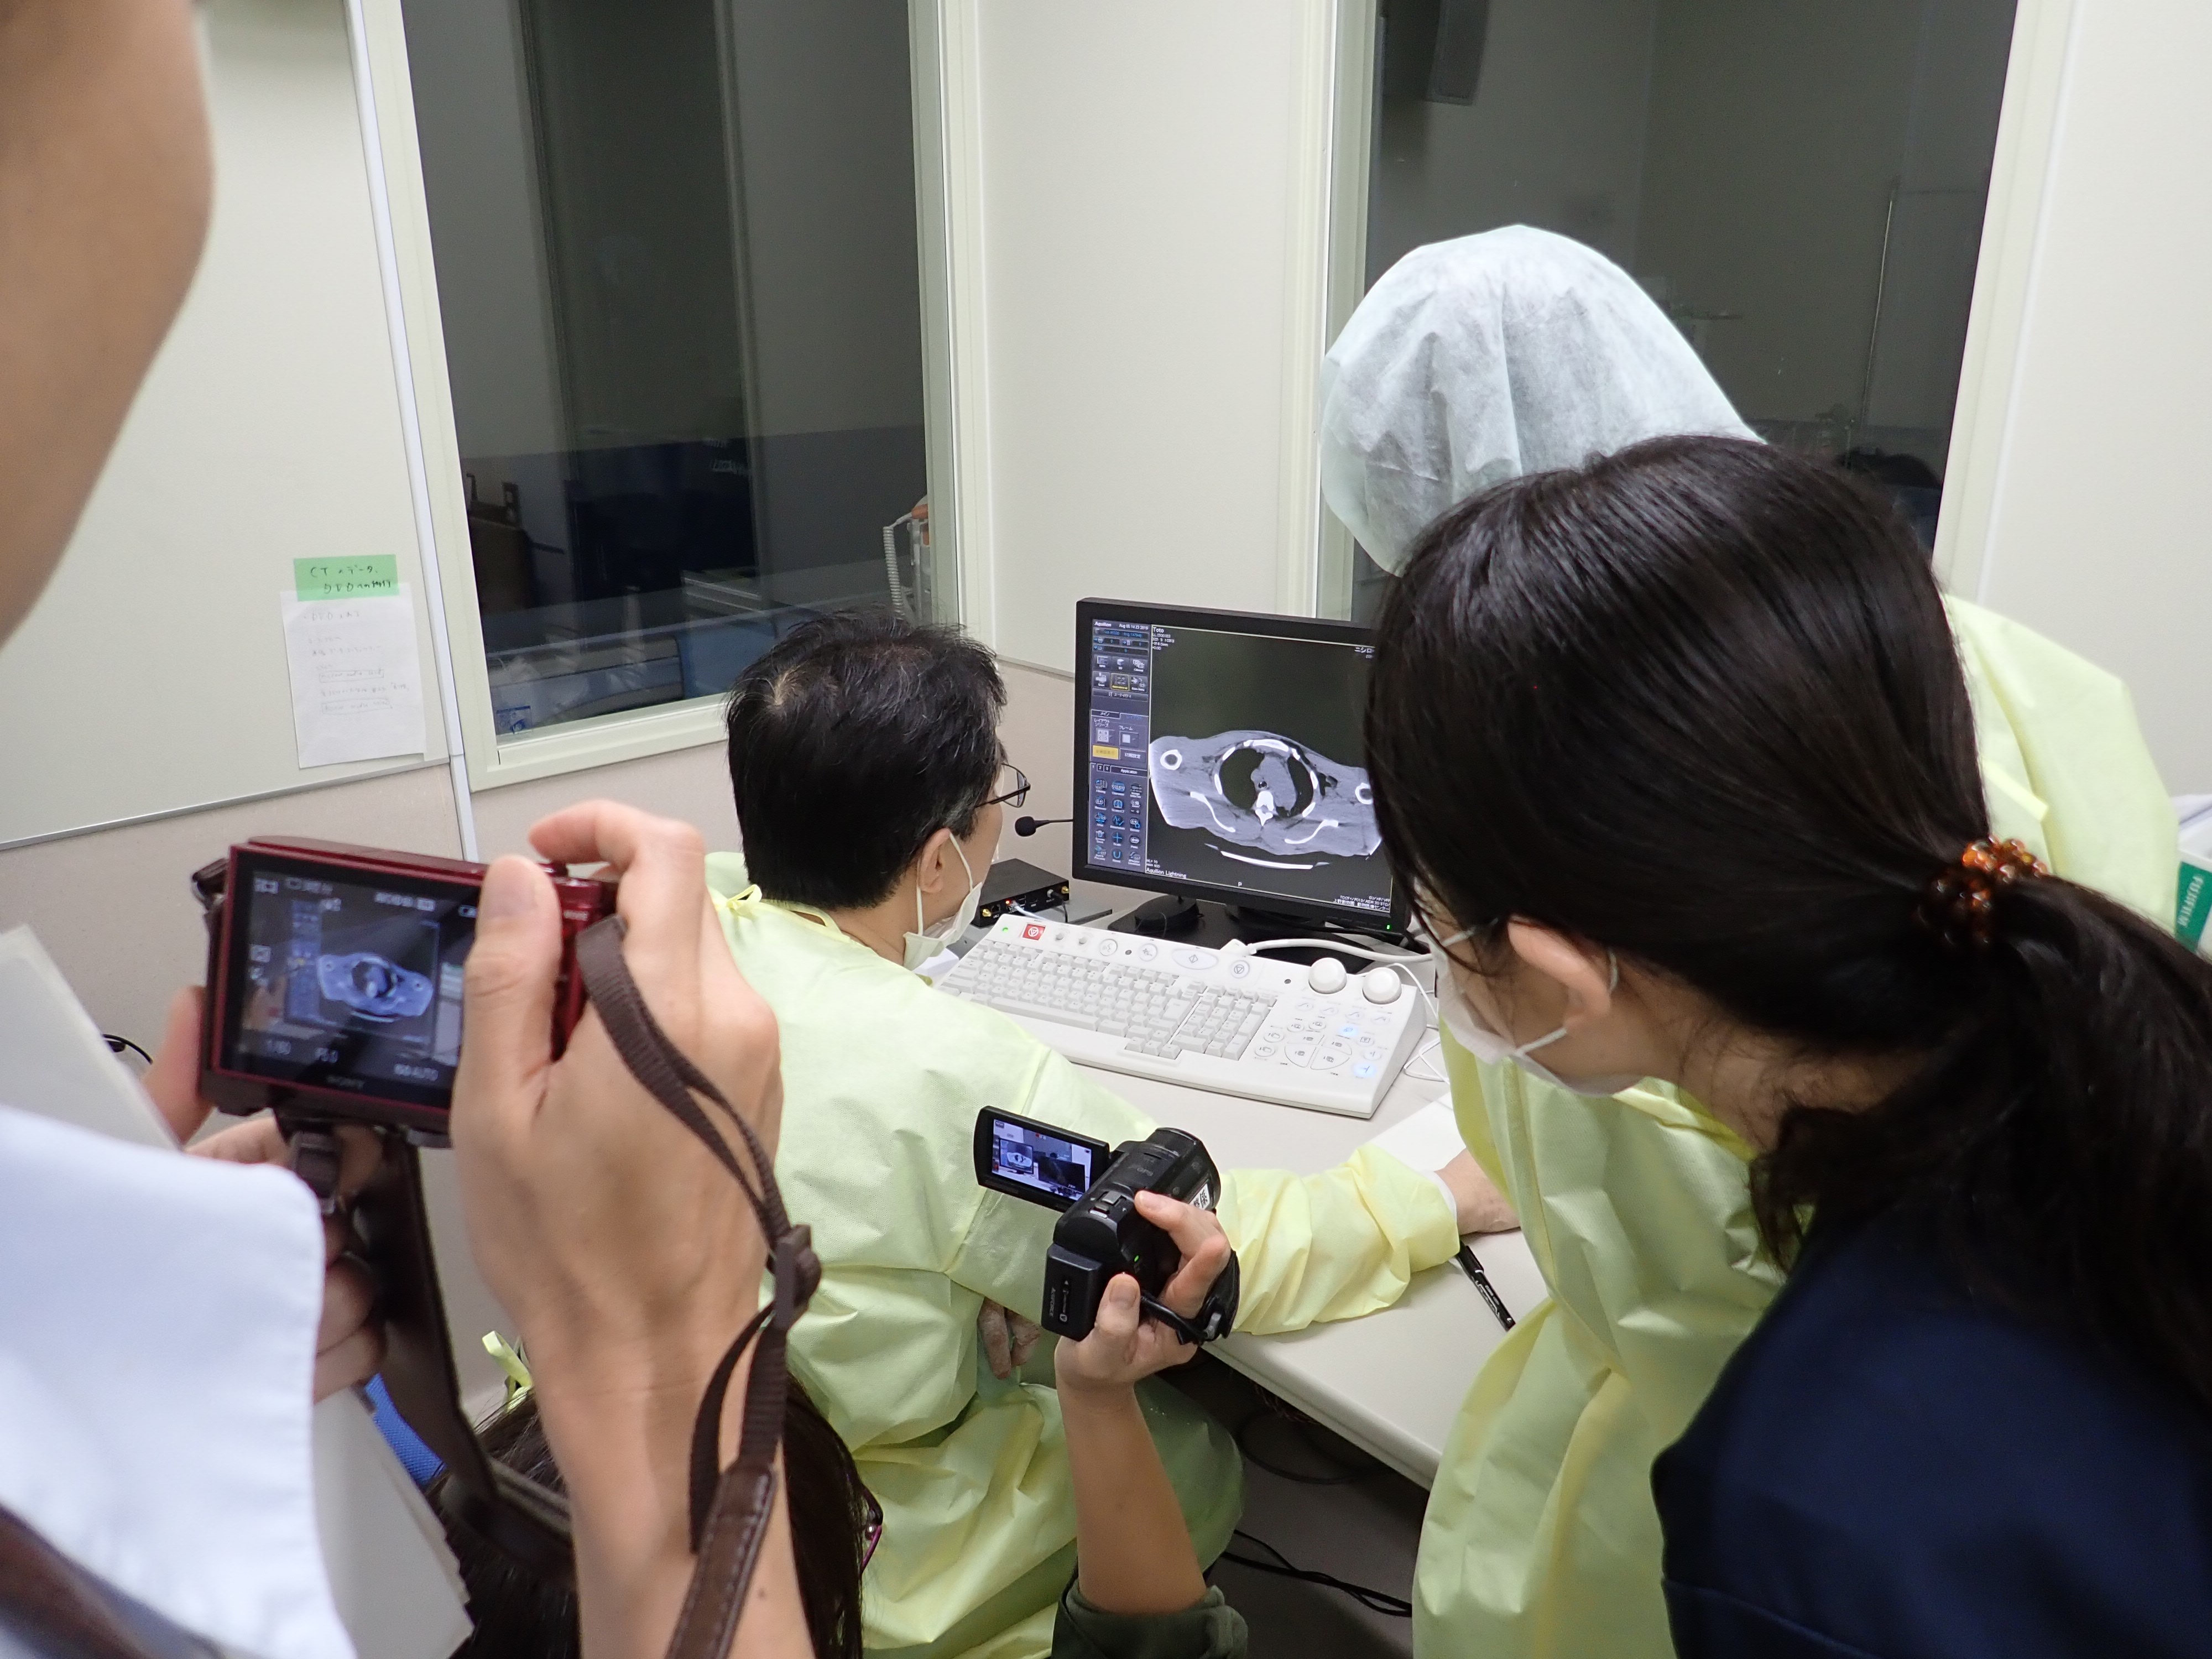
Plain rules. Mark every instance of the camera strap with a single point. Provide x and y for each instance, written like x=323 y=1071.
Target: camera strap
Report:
x=1216 y=1317
x=730 y=1507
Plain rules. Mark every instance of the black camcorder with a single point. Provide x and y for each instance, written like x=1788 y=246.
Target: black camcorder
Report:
x=1100 y=1233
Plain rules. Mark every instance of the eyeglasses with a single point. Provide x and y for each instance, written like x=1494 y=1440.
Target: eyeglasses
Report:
x=871 y=1528
x=1010 y=794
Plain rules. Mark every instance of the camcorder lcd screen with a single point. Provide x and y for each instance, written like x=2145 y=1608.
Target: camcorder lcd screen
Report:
x=348 y=980
x=1051 y=1165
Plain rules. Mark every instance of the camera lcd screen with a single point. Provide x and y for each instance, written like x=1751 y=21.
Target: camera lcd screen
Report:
x=1053 y=1165
x=347 y=980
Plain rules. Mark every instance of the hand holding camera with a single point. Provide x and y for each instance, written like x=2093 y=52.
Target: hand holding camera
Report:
x=1103 y=1229
x=626 y=1253
x=628 y=1256
x=1124 y=1347
x=1133 y=1553
x=599 y=1220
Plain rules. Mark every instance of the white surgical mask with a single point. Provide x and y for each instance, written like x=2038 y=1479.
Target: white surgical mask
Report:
x=1479 y=1040
x=930 y=939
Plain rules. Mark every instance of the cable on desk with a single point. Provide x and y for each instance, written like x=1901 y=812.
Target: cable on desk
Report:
x=1374 y=1600
x=1341 y=1474
x=1420 y=1056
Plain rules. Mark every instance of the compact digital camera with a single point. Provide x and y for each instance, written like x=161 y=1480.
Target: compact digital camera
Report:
x=1100 y=1233
x=334 y=997
x=334 y=979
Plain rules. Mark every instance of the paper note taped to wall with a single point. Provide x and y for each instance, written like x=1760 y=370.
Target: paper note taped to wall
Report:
x=357 y=677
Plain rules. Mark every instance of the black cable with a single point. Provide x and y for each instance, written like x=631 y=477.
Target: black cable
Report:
x=1342 y=1475
x=1374 y=1600
x=116 y=1045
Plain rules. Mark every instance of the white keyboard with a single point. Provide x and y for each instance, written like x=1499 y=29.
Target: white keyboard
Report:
x=1237 y=1024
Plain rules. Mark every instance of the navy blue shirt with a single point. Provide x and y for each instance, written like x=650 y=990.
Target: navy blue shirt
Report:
x=1890 y=1467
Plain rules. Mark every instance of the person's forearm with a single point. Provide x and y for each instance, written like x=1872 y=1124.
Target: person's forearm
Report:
x=1132 y=1551
x=623 y=1445
x=1334 y=1245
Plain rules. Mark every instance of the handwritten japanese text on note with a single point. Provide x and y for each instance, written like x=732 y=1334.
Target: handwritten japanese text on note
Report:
x=367 y=576
x=357 y=677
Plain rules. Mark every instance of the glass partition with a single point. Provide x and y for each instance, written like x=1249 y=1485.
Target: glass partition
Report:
x=677 y=266
x=1799 y=184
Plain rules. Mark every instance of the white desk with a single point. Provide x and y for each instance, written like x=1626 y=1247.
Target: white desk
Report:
x=1391 y=1383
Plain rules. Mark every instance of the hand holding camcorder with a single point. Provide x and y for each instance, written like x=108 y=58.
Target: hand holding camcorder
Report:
x=1102 y=1230
x=1126 y=1345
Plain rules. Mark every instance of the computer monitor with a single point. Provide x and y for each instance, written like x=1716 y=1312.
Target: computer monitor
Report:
x=1219 y=756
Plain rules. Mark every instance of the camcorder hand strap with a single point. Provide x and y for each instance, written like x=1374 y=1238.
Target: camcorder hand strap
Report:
x=1216 y=1316
x=730 y=1507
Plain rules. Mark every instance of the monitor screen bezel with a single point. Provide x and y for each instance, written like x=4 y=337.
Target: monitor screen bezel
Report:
x=1320 y=630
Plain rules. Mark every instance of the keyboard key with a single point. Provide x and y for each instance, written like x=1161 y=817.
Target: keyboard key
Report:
x=1045 y=1010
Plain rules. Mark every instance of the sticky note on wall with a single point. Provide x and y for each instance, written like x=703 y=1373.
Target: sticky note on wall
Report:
x=369 y=576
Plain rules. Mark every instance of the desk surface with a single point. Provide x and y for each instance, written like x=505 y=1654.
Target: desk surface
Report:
x=1391 y=1383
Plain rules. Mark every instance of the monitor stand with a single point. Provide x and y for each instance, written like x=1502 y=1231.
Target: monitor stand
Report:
x=1204 y=923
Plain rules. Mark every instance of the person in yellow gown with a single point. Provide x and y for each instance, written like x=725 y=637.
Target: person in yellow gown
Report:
x=864 y=759
x=1471 y=362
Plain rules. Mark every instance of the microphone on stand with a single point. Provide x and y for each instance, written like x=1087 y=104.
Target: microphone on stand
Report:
x=1030 y=826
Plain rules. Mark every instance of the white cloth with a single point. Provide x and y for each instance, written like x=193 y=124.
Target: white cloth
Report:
x=1475 y=360
x=158 y=1317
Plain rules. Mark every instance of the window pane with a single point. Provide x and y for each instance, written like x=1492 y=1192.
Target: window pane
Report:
x=676 y=255
x=1799 y=184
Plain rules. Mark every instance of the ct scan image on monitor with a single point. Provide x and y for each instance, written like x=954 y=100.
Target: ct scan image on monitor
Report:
x=1220 y=755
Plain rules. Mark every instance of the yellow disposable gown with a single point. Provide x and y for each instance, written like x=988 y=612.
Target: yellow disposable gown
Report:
x=882 y=1077
x=1540 y=1537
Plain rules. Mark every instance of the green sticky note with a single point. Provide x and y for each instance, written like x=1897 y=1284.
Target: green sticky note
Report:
x=374 y=575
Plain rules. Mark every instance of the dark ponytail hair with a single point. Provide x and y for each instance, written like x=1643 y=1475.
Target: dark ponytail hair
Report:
x=1700 y=702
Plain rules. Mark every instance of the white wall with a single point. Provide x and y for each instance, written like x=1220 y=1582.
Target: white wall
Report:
x=1137 y=164
x=152 y=676
x=2099 y=535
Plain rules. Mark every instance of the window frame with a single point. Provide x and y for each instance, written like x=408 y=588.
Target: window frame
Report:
x=578 y=745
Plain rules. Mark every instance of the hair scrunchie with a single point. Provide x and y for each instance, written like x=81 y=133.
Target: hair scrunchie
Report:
x=1958 y=904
